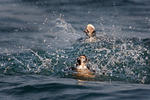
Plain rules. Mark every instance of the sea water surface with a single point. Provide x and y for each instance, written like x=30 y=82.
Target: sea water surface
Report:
x=41 y=39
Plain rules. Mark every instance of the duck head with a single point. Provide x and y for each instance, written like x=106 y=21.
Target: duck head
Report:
x=82 y=60
x=90 y=30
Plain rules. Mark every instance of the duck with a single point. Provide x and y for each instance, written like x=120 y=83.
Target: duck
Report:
x=90 y=32
x=82 y=70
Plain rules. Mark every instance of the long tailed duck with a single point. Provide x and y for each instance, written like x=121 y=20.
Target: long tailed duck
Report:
x=90 y=32
x=82 y=70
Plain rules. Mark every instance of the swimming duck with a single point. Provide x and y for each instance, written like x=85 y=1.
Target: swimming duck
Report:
x=90 y=32
x=81 y=68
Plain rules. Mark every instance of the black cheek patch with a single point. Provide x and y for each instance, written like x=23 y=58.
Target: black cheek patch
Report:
x=78 y=61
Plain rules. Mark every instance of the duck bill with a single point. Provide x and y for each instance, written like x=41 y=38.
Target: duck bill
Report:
x=86 y=31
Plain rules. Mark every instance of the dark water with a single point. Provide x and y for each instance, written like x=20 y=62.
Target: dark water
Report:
x=41 y=39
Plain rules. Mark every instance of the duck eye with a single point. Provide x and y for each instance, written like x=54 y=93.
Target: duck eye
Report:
x=86 y=31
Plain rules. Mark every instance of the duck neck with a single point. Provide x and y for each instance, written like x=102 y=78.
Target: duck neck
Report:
x=90 y=35
x=83 y=64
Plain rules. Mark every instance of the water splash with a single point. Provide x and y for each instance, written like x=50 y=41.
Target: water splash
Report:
x=111 y=57
x=65 y=35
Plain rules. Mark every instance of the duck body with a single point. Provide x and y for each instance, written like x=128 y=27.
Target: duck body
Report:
x=86 y=73
x=91 y=39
